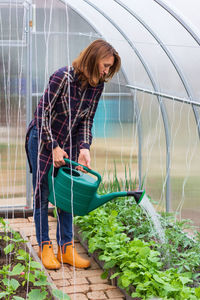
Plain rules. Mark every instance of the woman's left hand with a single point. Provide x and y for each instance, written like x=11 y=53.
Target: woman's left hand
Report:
x=84 y=159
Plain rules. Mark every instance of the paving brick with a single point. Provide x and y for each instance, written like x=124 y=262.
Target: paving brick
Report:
x=114 y=294
x=33 y=240
x=78 y=288
x=78 y=281
x=52 y=219
x=96 y=279
x=16 y=220
x=52 y=233
x=78 y=296
x=30 y=219
x=101 y=287
x=118 y=298
x=96 y=295
x=59 y=275
x=62 y=283
x=88 y=273
x=28 y=231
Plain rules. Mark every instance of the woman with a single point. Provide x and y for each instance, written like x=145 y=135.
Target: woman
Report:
x=61 y=128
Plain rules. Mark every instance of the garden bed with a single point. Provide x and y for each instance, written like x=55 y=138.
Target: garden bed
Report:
x=95 y=256
x=121 y=239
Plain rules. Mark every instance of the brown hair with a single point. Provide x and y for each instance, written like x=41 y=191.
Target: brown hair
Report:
x=86 y=64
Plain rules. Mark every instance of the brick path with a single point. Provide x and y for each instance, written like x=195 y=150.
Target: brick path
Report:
x=78 y=284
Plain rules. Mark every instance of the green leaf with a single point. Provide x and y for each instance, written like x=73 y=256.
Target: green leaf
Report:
x=17 y=270
x=197 y=292
x=114 y=275
x=135 y=295
x=3 y=294
x=41 y=283
x=104 y=275
x=109 y=264
x=125 y=282
x=36 y=294
x=60 y=295
x=30 y=277
x=35 y=265
x=9 y=248
x=6 y=281
x=184 y=280
x=158 y=279
x=17 y=298
x=14 y=284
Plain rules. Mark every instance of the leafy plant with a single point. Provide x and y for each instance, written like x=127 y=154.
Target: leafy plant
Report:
x=120 y=232
x=27 y=269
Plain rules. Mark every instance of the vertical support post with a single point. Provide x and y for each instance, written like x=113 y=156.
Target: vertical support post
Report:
x=28 y=32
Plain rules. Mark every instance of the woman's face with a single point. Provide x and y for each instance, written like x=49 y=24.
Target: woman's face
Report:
x=104 y=65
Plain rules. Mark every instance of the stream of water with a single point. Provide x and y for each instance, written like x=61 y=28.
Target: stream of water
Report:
x=153 y=217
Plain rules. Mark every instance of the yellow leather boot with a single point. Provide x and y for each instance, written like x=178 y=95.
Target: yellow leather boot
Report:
x=68 y=254
x=48 y=257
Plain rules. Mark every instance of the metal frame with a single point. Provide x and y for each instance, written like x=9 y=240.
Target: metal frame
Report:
x=29 y=97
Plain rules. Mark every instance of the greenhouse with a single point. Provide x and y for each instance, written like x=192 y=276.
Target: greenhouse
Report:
x=146 y=146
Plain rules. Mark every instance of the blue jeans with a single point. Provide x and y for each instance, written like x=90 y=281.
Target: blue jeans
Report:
x=64 y=219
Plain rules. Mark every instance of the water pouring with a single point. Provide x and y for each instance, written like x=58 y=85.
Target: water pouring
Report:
x=71 y=187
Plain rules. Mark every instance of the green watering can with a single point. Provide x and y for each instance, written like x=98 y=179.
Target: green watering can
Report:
x=84 y=187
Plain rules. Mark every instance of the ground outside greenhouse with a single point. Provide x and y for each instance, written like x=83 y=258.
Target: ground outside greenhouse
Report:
x=79 y=285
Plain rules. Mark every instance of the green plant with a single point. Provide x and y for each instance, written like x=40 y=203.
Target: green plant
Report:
x=122 y=235
x=27 y=269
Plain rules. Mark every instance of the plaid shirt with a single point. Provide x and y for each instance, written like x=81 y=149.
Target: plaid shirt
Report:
x=64 y=117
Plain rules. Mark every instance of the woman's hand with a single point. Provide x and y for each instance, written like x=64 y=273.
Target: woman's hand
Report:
x=58 y=155
x=84 y=159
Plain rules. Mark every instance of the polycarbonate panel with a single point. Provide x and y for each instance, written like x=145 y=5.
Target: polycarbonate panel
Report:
x=13 y=93
x=112 y=31
x=55 y=16
x=176 y=38
x=12 y=21
x=59 y=51
x=153 y=148
x=185 y=161
x=155 y=58
x=189 y=10
x=115 y=142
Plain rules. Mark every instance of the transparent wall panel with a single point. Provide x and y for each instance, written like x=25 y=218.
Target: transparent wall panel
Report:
x=147 y=47
x=12 y=20
x=115 y=143
x=13 y=94
x=185 y=161
x=153 y=149
x=175 y=37
x=187 y=9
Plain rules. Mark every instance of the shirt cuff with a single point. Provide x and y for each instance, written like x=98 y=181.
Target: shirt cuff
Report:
x=84 y=146
x=52 y=145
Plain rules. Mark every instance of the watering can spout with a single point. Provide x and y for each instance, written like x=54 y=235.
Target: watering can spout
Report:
x=100 y=200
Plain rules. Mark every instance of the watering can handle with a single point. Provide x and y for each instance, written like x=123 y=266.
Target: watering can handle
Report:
x=85 y=168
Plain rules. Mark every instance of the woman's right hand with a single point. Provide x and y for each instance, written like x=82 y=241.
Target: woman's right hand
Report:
x=58 y=155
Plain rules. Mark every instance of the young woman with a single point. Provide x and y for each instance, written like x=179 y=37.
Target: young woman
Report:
x=61 y=128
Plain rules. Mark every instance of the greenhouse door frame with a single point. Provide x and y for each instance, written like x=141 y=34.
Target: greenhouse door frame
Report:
x=25 y=42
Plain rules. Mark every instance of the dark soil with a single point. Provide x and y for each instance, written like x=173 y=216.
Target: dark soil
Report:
x=10 y=258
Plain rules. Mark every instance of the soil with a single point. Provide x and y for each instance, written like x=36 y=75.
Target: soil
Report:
x=21 y=291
